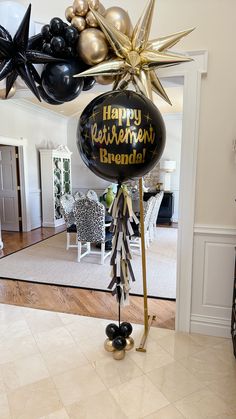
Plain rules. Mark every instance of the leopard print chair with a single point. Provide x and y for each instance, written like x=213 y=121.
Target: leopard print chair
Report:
x=90 y=224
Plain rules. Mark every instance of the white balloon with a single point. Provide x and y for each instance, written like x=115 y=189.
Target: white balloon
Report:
x=11 y=15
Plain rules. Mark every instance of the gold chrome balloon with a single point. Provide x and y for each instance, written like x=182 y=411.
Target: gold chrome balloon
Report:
x=80 y=7
x=129 y=344
x=120 y=19
x=104 y=80
x=69 y=13
x=118 y=355
x=10 y=94
x=137 y=58
x=91 y=20
x=94 y=4
x=79 y=23
x=92 y=46
x=108 y=345
x=101 y=9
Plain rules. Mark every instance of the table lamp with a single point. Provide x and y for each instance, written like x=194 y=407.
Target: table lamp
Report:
x=168 y=167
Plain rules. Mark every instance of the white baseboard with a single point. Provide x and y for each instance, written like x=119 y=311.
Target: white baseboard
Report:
x=213 y=326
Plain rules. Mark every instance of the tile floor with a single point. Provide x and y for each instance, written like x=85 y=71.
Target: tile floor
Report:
x=53 y=366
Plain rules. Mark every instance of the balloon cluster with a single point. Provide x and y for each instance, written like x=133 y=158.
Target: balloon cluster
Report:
x=59 y=39
x=81 y=16
x=118 y=339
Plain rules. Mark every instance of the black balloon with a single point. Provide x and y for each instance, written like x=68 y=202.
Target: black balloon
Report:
x=71 y=35
x=47 y=98
x=46 y=33
x=47 y=48
x=121 y=136
x=59 y=83
x=57 y=44
x=56 y=26
x=119 y=343
x=126 y=329
x=112 y=331
x=89 y=82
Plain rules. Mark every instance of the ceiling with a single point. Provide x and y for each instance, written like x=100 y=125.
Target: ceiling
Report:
x=173 y=86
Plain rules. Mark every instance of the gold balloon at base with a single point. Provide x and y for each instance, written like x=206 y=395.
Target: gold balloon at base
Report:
x=108 y=345
x=94 y=4
x=129 y=344
x=79 y=23
x=92 y=46
x=91 y=20
x=10 y=94
x=119 y=355
x=120 y=19
x=104 y=80
x=80 y=7
x=69 y=13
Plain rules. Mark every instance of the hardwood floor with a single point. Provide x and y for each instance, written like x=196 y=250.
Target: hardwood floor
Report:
x=73 y=300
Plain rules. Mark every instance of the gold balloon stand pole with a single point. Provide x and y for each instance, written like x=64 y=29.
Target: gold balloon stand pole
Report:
x=147 y=319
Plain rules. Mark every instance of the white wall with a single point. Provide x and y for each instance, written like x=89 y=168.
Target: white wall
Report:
x=42 y=130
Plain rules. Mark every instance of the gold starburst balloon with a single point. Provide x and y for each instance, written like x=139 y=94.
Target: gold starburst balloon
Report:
x=136 y=58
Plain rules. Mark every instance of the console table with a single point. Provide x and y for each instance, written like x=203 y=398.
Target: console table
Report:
x=166 y=209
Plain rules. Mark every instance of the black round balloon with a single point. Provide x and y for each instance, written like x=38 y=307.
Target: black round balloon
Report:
x=126 y=329
x=89 y=82
x=119 y=343
x=56 y=26
x=47 y=98
x=58 y=44
x=112 y=330
x=58 y=81
x=121 y=135
x=71 y=35
x=46 y=33
x=47 y=48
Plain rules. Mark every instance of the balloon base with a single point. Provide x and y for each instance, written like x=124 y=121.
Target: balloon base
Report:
x=142 y=344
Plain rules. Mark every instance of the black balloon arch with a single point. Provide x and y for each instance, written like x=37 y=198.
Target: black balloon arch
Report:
x=121 y=134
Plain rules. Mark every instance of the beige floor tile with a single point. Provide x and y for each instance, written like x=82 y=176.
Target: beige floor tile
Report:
x=99 y=406
x=155 y=357
x=157 y=333
x=174 y=381
x=4 y=407
x=168 y=412
x=24 y=371
x=54 y=339
x=78 y=384
x=82 y=327
x=179 y=345
x=67 y=358
x=207 y=341
x=138 y=397
x=224 y=352
x=225 y=388
x=13 y=330
x=42 y=321
x=93 y=348
x=114 y=373
x=34 y=400
x=13 y=349
x=10 y=313
x=206 y=367
x=59 y=414
x=202 y=405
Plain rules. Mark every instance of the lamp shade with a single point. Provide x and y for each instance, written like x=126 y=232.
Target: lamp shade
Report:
x=168 y=165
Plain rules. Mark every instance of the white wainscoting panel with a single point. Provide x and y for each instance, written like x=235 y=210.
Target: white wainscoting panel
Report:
x=35 y=208
x=213 y=276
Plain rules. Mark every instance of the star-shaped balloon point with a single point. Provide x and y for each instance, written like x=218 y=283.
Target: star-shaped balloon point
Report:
x=17 y=58
x=136 y=58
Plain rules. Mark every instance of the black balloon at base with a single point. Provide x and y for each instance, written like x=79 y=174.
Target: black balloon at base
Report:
x=59 y=83
x=121 y=136
x=117 y=343
x=47 y=98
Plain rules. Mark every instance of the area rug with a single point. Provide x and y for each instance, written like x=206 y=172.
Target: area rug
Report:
x=49 y=262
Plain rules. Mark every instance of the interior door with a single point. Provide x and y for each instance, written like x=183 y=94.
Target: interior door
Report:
x=9 y=205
